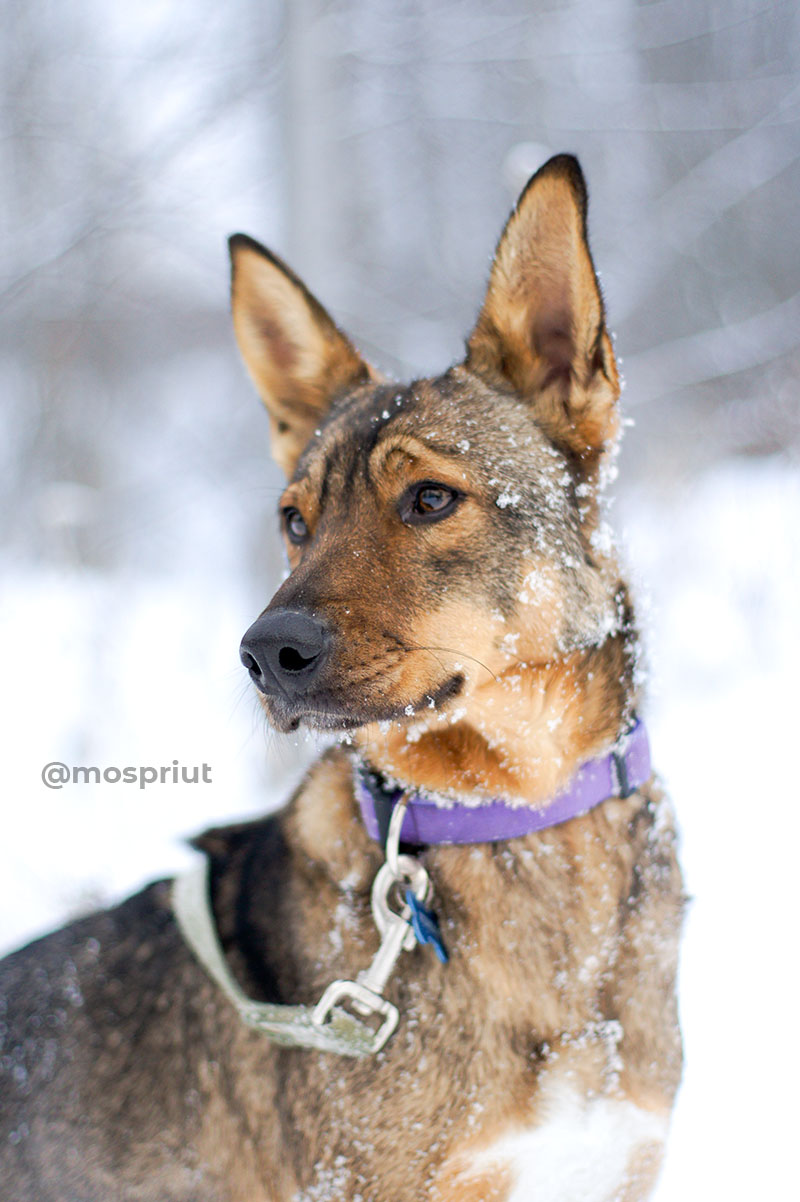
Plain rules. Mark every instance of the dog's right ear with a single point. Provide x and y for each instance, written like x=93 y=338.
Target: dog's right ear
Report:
x=299 y=361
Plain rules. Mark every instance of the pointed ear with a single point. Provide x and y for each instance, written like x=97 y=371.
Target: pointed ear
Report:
x=542 y=327
x=298 y=360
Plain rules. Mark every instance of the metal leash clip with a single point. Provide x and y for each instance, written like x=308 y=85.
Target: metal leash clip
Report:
x=397 y=935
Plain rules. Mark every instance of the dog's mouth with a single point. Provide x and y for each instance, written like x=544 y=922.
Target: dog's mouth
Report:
x=325 y=712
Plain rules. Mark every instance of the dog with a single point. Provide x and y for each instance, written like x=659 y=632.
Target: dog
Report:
x=455 y=610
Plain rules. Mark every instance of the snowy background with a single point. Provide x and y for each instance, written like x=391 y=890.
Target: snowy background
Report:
x=379 y=148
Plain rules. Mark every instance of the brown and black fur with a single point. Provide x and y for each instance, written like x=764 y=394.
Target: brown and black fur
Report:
x=489 y=652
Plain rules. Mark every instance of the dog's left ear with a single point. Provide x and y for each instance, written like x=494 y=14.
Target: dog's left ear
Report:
x=542 y=327
x=298 y=360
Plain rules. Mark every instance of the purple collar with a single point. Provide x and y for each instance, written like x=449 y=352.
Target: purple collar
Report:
x=617 y=774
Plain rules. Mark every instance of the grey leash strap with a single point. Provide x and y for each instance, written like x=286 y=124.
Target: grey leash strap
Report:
x=290 y=1026
x=327 y=1026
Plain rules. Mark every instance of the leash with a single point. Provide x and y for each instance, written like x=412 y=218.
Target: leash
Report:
x=327 y=1027
x=396 y=817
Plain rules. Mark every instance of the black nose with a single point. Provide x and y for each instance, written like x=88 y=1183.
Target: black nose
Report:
x=284 y=651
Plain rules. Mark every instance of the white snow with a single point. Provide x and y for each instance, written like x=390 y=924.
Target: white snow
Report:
x=115 y=673
x=723 y=565
x=508 y=497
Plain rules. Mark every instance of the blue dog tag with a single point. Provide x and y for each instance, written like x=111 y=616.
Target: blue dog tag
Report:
x=426 y=925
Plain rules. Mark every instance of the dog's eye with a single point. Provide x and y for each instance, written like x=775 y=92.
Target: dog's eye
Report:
x=294 y=525
x=433 y=499
x=427 y=502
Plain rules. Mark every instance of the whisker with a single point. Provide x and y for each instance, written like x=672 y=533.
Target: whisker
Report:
x=454 y=651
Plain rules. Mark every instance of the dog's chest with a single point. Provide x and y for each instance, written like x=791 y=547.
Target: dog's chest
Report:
x=535 y=1108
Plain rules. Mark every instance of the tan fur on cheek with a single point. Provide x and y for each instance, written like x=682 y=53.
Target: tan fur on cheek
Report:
x=482 y=644
x=535 y=631
x=467 y=640
x=557 y=614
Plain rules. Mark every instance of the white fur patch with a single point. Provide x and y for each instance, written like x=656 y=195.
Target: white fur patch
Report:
x=582 y=1148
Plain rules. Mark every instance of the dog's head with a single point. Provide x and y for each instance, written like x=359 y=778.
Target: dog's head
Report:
x=442 y=533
